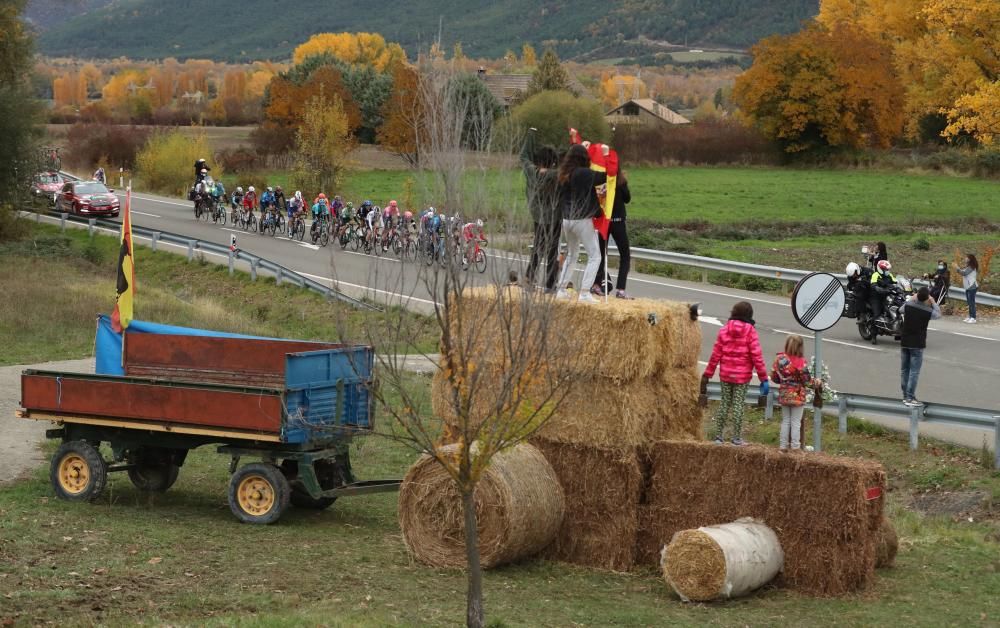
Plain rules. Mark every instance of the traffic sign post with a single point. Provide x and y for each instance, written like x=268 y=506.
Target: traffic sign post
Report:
x=817 y=304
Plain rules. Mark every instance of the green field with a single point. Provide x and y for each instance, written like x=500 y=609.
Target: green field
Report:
x=182 y=559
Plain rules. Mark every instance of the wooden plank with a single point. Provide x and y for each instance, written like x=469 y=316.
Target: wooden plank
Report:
x=149 y=426
x=200 y=406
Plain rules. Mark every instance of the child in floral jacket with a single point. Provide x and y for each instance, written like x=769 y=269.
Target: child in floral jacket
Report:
x=790 y=371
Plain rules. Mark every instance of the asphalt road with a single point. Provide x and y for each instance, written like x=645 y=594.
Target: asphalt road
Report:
x=961 y=364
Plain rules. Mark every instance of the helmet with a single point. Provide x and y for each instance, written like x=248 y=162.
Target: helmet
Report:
x=408 y=215
x=479 y=223
x=278 y=189
x=204 y=170
x=431 y=211
x=239 y=188
x=884 y=266
x=392 y=204
x=298 y=194
x=270 y=189
x=350 y=205
x=366 y=203
x=337 y=198
x=250 y=189
x=852 y=269
x=321 y=196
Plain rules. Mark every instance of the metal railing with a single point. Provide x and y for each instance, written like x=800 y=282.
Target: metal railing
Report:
x=281 y=273
x=768 y=272
x=847 y=403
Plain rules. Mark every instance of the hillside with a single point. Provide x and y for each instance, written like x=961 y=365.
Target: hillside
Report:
x=45 y=14
x=253 y=29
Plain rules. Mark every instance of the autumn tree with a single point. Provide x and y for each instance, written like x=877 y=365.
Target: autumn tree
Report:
x=353 y=48
x=549 y=75
x=821 y=88
x=403 y=114
x=552 y=113
x=619 y=88
x=528 y=57
x=977 y=114
x=322 y=143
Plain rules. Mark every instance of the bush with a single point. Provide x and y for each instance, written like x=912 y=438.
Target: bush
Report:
x=708 y=142
x=239 y=160
x=921 y=244
x=553 y=113
x=106 y=144
x=166 y=162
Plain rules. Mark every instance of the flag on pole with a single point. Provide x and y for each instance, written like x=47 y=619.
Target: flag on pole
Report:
x=607 y=164
x=122 y=315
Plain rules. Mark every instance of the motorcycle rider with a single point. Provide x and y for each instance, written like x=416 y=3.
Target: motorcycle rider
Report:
x=200 y=170
x=882 y=283
x=857 y=286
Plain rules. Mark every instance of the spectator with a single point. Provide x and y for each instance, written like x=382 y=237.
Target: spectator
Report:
x=737 y=354
x=918 y=311
x=620 y=234
x=542 y=184
x=790 y=371
x=579 y=205
x=879 y=255
x=940 y=282
x=969 y=274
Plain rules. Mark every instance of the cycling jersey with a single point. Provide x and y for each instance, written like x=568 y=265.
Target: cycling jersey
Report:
x=320 y=209
x=267 y=199
x=294 y=206
x=250 y=201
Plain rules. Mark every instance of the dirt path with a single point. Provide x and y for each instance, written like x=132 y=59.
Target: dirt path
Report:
x=19 y=438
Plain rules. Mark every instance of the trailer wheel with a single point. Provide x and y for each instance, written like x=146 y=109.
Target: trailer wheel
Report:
x=258 y=493
x=78 y=472
x=154 y=478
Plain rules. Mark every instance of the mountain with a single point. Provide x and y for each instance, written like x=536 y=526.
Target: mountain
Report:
x=45 y=14
x=254 y=29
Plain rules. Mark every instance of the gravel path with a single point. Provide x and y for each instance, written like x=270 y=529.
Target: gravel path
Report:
x=20 y=438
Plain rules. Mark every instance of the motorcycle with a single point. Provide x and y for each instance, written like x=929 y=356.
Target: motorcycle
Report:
x=856 y=306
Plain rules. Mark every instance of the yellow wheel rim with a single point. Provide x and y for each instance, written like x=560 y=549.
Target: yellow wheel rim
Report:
x=74 y=474
x=255 y=495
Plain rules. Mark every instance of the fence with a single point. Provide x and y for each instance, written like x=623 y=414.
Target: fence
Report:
x=257 y=263
x=847 y=403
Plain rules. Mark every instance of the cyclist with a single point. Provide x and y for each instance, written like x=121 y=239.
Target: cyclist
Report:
x=250 y=201
x=267 y=200
x=347 y=214
x=280 y=202
x=99 y=175
x=219 y=193
x=336 y=206
x=320 y=212
x=295 y=207
x=237 y=198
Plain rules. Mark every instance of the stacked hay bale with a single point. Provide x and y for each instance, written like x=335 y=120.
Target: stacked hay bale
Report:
x=634 y=382
x=826 y=511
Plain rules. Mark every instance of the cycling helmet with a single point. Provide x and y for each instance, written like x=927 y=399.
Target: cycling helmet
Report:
x=884 y=266
x=298 y=194
x=408 y=215
x=204 y=171
x=852 y=269
x=270 y=189
x=321 y=196
x=278 y=189
x=366 y=203
x=431 y=211
x=250 y=189
x=479 y=223
x=239 y=189
x=392 y=204
x=350 y=205
x=337 y=198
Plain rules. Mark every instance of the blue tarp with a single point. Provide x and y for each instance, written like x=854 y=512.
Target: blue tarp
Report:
x=108 y=346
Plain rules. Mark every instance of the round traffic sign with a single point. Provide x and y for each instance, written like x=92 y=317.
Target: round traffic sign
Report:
x=818 y=301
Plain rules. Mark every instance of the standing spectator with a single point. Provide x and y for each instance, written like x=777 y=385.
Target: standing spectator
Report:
x=737 y=354
x=620 y=234
x=918 y=311
x=542 y=184
x=969 y=274
x=940 y=282
x=790 y=371
x=879 y=255
x=578 y=200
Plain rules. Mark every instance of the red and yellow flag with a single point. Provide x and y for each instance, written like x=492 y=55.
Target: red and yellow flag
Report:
x=122 y=315
x=601 y=163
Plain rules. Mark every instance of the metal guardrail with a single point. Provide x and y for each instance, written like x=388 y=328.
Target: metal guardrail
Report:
x=768 y=272
x=847 y=403
x=257 y=263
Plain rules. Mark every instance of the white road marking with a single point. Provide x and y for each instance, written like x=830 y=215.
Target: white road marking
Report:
x=368 y=255
x=156 y=200
x=312 y=247
x=366 y=288
x=703 y=291
x=831 y=340
x=958 y=333
x=711 y=320
x=136 y=211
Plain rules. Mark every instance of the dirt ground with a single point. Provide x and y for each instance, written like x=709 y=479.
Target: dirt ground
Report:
x=19 y=438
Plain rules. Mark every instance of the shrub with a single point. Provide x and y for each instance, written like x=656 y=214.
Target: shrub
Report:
x=708 y=142
x=553 y=113
x=166 y=162
x=239 y=160
x=106 y=144
x=921 y=244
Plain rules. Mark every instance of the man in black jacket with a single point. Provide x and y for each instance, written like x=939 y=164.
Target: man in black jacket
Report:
x=918 y=311
x=541 y=178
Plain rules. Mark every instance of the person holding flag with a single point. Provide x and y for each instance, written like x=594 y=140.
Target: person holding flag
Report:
x=580 y=206
x=620 y=234
x=123 y=312
x=603 y=160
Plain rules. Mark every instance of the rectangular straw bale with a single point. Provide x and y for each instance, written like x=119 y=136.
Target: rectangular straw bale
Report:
x=621 y=340
x=599 y=411
x=603 y=487
x=815 y=503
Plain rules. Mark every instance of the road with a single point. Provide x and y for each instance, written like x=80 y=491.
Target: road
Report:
x=961 y=364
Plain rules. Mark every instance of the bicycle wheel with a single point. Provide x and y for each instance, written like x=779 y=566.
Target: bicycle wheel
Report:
x=252 y=223
x=356 y=236
x=344 y=238
x=281 y=223
x=300 y=229
x=396 y=246
x=480 y=260
x=324 y=237
x=222 y=217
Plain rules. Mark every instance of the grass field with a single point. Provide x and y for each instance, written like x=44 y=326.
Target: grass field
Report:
x=181 y=558
x=55 y=285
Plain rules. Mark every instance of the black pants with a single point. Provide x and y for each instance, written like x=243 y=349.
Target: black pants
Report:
x=546 y=248
x=876 y=302
x=620 y=234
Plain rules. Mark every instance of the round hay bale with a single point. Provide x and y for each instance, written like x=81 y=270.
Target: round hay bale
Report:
x=519 y=509
x=887 y=545
x=721 y=561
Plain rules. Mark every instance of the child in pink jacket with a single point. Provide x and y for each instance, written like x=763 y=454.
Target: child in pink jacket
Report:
x=737 y=354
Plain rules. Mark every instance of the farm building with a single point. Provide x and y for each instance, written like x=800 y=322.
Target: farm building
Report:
x=643 y=111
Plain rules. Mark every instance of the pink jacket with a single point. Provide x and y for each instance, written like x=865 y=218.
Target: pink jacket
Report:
x=737 y=354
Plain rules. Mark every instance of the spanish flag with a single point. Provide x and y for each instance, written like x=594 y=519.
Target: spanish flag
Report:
x=122 y=315
x=601 y=163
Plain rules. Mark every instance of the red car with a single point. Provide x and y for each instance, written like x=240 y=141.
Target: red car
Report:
x=87 y=198
x=46 y=186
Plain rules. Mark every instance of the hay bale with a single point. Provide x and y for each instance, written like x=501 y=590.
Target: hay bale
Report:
x=519 y=509
x=598 y=411
x=724 y=561
x=603 y=487
x=816 y=504
x=648 y=335
x=887 y=545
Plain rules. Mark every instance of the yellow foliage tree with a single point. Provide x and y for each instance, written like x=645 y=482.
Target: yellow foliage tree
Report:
x=322 y=144
x=977 y=114
x=617 y=89
x=121 y=86
x=529 y=58
x=355 y=48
